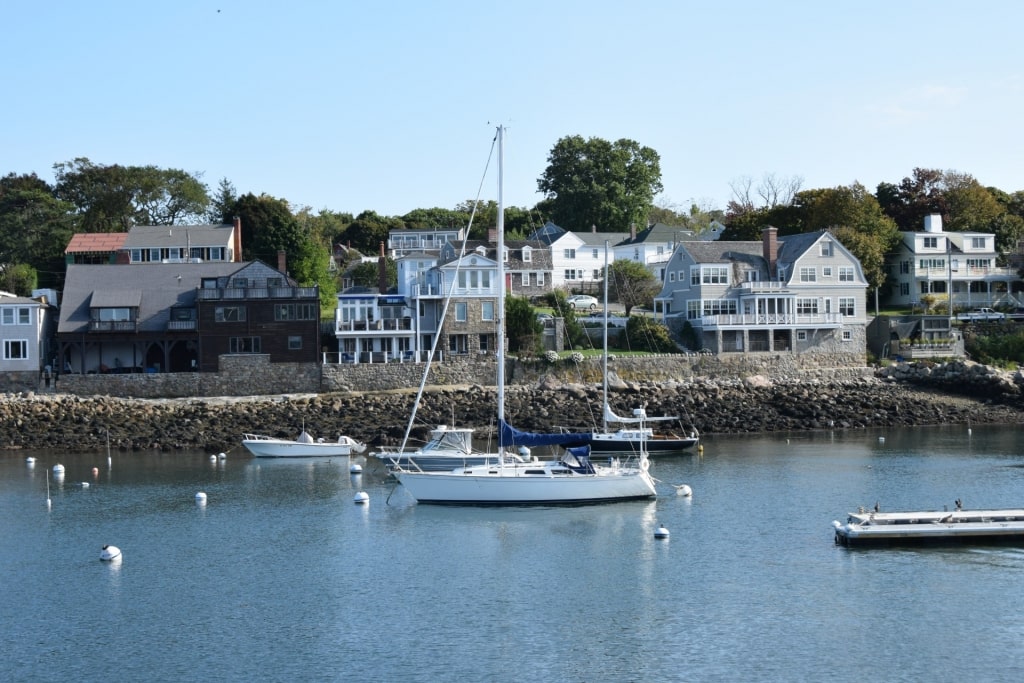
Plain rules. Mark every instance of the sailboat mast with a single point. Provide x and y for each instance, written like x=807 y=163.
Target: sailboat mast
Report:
x=604 y=354
x=500 y=257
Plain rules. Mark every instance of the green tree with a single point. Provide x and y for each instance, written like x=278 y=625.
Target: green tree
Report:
x=367 y=273
x=854 y=216
x=647 y=334
x=368 y=230
x=113 y=198
x=268 y=226
x=435 y=219
x=35 y=226
x=920 y=194
x=598 y=183
x=223 y=203
x=19 y=279
x=632 y=284
x=521 y=325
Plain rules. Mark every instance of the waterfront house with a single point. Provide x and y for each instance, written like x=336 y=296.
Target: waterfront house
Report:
x=577 y=259
x=178 y=317
x=941 y=265
x=798 y=293
x=25 y=337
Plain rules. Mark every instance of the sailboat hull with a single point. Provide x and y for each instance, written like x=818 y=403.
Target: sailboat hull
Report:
x=497 y=486
x=613 y=443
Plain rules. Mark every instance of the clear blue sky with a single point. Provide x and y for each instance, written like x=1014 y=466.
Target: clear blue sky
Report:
x=391 y=106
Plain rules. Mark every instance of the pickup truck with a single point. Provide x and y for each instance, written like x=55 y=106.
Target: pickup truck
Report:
x=979 y=314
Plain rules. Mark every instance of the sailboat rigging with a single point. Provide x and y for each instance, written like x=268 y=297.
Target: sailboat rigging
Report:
x=511 y=480
x=633 y=434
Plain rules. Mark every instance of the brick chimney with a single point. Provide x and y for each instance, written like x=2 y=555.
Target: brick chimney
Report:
x=770 y=240
x=632 y=231
x=492 y=235
x=282 y=262
x=382 y=271
x=238 y=240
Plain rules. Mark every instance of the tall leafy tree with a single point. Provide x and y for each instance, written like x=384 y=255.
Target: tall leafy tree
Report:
x=599 y=183
x=632 y=284
x=856 y=219
x=113 y=198
x=368 y=230
x=267 y=227
x=916 y=196
x=35 y=226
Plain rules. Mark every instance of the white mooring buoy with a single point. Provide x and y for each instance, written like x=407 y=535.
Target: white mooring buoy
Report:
x=109 y=553
x=355 y=468
x=361 y=498
x=30 y=460
x=683 y=490
x=58 y=469
x=661 y=532
x=200 y=498
x=222 y=456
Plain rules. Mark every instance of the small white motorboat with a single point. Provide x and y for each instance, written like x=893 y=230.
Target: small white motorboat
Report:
x=304 y=446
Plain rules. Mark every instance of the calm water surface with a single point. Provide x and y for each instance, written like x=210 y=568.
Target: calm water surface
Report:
x=281 y=577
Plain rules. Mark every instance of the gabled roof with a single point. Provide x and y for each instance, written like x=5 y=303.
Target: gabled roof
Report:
x=659 y=232
x=95 y=242
x=547 y=234
x=143 y=236
x=792 y=247
x=156 y=287
x=724 y=252
x=597 y=239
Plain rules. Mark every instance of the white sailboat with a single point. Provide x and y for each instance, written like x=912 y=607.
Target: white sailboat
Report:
x=633 y=435
x=508 y=480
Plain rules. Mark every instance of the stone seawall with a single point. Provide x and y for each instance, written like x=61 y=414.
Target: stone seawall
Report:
x=902 y=395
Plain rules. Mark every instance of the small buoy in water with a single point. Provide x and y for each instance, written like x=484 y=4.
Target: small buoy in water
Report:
x=213 y=458
x=683 y=490
x=968 y=431
x=222 y=456
x=361 y=497
x=700 y=448
x=95 y=471
x=881 y=439
x=58 y=469
x=201 y=498
x=84 y=484
x=109 y=553
x=355 y=468
x=30 y=460
x=661 y=532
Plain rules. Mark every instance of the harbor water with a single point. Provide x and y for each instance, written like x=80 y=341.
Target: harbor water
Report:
x=281 y=576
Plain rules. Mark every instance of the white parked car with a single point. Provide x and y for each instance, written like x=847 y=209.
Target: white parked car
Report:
x=581 y=301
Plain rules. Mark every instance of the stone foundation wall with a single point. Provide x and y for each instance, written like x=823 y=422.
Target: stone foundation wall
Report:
x=253 y=374
x=14 y=381
x=241 y=375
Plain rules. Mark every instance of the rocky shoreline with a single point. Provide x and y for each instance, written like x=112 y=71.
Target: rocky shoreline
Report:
x=898 y=396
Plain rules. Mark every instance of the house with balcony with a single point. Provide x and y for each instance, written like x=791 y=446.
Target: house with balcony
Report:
x=798 y=293
x=402 y=241
x=181 y=317
x=528 y=269
x=379 y=325
x=944 y=266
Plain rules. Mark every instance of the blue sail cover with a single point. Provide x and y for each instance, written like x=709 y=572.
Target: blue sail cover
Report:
x=510 y=436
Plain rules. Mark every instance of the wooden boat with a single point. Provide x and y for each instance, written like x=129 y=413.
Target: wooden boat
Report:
x=869 y=527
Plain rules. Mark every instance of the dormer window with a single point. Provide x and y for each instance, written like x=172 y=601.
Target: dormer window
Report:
x=527 y=255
